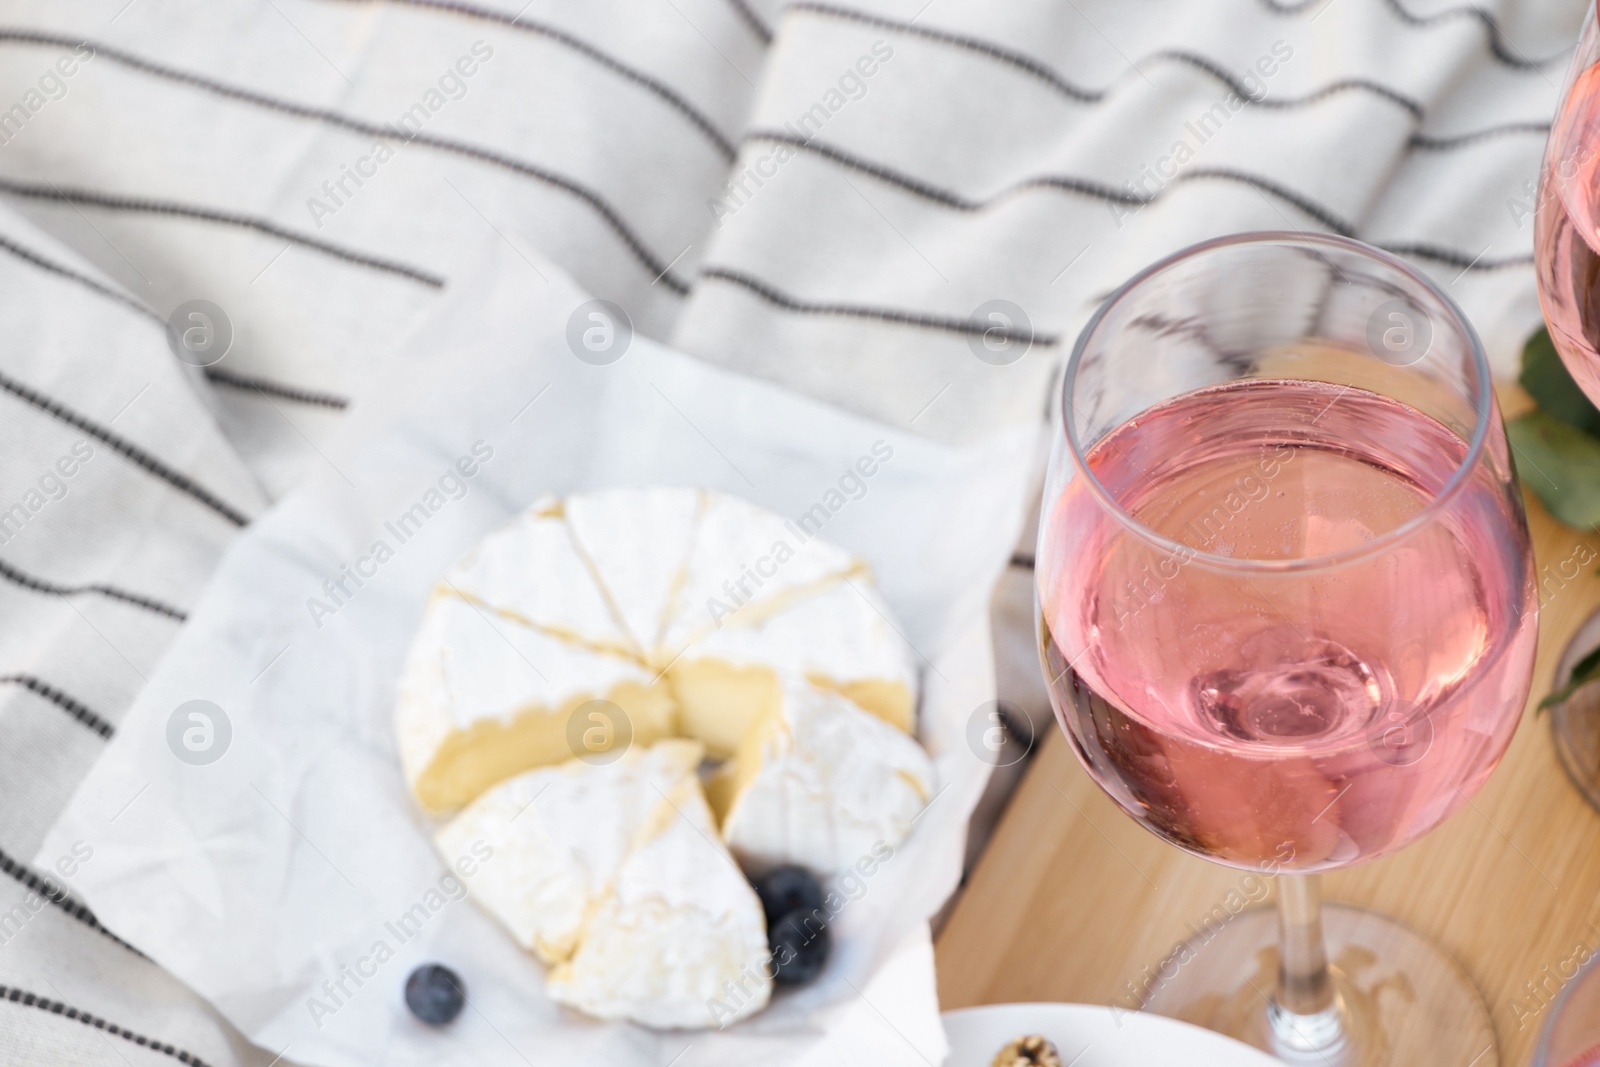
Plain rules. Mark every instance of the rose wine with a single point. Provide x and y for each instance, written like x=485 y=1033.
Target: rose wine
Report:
x=1567 y=233
x=1307 y=667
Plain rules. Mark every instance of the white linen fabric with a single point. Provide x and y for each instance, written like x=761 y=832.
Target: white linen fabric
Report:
x=820 y=194
x=258 y=878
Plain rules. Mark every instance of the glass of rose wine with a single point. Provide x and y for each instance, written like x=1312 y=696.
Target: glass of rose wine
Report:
x=1567 y=218
x=1287 y=616
x=1567 y=259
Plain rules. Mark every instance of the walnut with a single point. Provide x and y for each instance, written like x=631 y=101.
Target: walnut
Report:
x=1029 y=1051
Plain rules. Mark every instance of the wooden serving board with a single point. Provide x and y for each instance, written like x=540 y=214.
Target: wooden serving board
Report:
x=1072 y=899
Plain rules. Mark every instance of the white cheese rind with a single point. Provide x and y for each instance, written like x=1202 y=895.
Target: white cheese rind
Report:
x=680 y=928
x=821 y=783
x=558 y=838
x=748 y=562
x=530 y=569
x=637 y=541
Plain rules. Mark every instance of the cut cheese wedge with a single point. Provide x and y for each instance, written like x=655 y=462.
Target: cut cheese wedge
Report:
x=558 y=837
x=558 y=595
x=678 y=929
x=484 y=697
x=821 y=783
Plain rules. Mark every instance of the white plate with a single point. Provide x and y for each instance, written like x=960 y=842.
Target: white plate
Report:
x=1098 y=1036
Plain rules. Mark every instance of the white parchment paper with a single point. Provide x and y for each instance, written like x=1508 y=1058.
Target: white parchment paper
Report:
x=268 y=879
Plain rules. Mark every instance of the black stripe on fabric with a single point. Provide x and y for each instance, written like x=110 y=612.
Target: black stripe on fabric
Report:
x=597 y=203
x=747 y=15
x=48 y=890
x=77 y=709
x=947 y=197
x=968 y=327
x=1426 y=143
x=1210 y=67
x=1044 y=73
x=27 y=255
x=1343 y=85
x=1452 y=258
x=216 y=374
x=134 y=454
x=146 y=206
x=274 y=389
x=1195 y=330
x=1100 y=191
x=1303 y=203
x=776 y=298
x=1081 y=186
x=660 y=89
x=1499 y=43
x=1025 y=63
x=56 y=1007
x=39 y=585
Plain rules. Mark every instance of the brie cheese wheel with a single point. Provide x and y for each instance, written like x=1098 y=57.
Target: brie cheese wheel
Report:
x=820 y=782
x=484 y=697
x=679 y=940
x=558 y=837
x=681 y=606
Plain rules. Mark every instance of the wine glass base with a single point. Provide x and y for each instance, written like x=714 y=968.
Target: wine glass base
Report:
x=1401 y=1001
x=1575 y=722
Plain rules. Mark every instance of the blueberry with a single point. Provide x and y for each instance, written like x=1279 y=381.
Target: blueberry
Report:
x=434 y=994
x=786 y=889
x=800 y=943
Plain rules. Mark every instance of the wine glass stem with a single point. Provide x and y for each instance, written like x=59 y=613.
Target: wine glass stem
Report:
x=1304 y=1013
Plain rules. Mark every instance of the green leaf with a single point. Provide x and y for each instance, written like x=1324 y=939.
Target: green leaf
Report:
x=1561 y=464
x=1545 y=378
x=1584 y=671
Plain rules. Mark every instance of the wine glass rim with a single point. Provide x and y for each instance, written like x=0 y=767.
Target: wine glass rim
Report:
x=1483 y=402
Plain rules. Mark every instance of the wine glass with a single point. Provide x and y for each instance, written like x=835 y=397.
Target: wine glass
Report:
x=1287 y=615
x=1568 y=211
x=1568 y=269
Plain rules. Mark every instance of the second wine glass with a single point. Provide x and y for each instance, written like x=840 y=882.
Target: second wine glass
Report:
x=1567 y=218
